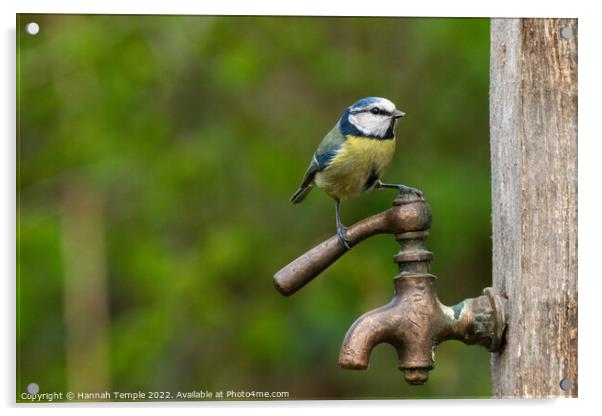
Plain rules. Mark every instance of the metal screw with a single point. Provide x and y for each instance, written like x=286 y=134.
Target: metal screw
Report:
x=32 y=28
x=33 y=388
x=566 y=32
x=566 y=384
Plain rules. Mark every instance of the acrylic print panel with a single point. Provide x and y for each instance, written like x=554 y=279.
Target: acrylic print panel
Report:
x=156 y=159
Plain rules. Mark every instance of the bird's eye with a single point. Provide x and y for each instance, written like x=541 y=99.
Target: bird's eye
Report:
x=375 y=110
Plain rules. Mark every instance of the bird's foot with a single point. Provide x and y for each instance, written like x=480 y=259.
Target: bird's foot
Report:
x=403 y=189
x=342 y=234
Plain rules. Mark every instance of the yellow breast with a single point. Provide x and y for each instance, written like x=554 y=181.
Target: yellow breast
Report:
x=349 y=170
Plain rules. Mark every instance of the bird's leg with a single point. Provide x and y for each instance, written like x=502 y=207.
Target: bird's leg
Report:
x=403 y=189
x=341 y=230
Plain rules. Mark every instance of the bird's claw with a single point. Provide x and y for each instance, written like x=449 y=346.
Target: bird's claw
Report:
x=342 y=234
x=403 y=189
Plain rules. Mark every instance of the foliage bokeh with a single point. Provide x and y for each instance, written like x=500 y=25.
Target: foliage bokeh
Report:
x=191 y=133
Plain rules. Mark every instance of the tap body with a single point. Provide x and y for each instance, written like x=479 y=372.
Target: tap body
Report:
x=414 y=321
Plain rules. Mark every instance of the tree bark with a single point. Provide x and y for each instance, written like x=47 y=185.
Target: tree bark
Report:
x=533 y=121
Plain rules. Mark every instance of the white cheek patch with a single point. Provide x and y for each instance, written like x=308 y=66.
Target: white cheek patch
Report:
x=370 y=124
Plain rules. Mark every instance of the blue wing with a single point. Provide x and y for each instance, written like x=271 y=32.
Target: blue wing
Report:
x=326 y=151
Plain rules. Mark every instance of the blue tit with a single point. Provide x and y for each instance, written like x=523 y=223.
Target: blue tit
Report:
x=353 y=156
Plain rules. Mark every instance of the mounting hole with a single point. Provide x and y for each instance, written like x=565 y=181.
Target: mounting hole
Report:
x=33 y=388
x=566 y=32
x=566 y=384
x=32 y=28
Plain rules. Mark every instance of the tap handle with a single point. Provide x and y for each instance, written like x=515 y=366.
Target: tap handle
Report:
x=409 y=213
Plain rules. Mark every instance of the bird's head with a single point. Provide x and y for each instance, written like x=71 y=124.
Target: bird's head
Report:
x=372 y=117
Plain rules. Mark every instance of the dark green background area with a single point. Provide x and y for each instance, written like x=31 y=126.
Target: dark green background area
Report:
x=175 y=142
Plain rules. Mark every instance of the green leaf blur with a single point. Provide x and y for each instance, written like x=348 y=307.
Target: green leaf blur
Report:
x=173 y=143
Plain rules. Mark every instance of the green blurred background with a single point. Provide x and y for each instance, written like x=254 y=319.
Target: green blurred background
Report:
x=156 y=157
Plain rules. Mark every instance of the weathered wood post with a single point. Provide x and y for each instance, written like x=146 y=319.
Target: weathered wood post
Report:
x=533 y=121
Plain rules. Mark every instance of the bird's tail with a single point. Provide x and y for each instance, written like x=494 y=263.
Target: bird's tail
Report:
x=300 y=195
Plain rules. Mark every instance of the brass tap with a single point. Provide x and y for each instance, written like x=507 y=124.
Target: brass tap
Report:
x=414 y=321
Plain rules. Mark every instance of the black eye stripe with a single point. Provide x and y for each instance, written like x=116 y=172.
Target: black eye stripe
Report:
x=370 y=110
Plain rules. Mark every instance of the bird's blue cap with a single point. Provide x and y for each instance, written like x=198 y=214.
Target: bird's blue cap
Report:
x=365 y=101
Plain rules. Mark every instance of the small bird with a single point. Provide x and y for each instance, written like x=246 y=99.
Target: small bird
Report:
x=353 y=156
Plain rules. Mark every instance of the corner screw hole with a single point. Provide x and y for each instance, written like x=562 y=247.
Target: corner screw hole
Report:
x=32 y=28
x=33 y=388
x=566 y=384
x=566 y=32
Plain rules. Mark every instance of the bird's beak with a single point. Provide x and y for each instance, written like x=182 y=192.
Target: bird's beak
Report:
x=398 y=114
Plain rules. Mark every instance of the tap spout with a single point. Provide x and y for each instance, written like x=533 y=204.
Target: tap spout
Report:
x=369 y=330
x=408 y=323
